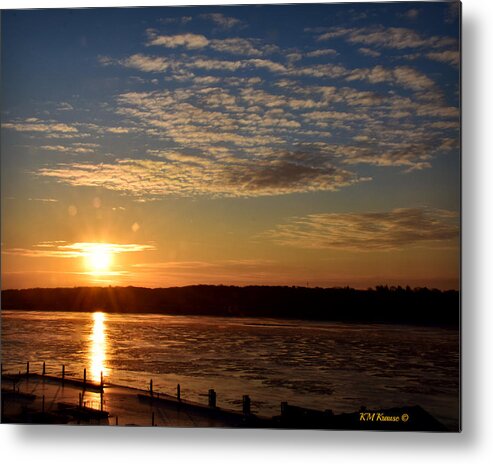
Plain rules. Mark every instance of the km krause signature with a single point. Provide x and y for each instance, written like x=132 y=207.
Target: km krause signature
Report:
x=381 y=417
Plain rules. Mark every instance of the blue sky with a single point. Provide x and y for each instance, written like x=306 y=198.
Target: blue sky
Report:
x=266 y=144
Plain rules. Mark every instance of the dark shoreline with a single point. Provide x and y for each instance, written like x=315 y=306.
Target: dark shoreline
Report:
x=382 y=305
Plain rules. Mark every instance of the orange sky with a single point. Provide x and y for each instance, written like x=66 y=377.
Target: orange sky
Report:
x=184 y=147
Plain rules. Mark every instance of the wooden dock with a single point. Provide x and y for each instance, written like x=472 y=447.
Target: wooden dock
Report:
x=46 y=399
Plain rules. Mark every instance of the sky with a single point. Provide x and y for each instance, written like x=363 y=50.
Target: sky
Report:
x=285 y=145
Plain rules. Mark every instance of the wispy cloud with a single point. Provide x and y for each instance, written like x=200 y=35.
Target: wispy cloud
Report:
x=221 y=20
x=236 y=46
x=279 y=173
x=447 y=56
x=411 y=14
x=369 y=52
x=402 y=75
x=44 y=200
x=62 y=249
x=189 y=41
x=375 y=231
x=387 y=37
x=322 y=52
x=76 y=148
x=36 y=125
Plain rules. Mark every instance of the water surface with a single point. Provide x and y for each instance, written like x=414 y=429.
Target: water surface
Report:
x=319 y=365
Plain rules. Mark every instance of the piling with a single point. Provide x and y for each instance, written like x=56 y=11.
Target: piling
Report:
x=101 y=380
x=101 y=399
x=178 y=392
x=80 y=400
x=284 y=408
x=27 y=368
x=44 y=368
x=246 y=405
x=150 y=387
x=212 y=398
x=63 y=374
x=84 y=376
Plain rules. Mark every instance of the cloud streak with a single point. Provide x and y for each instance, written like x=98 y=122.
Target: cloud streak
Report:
x=186 y=175
x=375 y=231
x=62 y=249
x=387 y=37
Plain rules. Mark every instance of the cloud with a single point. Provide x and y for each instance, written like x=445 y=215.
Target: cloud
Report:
x=411 y=78
x=390 y=37
x=265 y=64
x=62 y=249
x=182 y=20
x=44 y=200
x=220 y=20
x=404 y=76
x=64 y=106
x=80 y=148
x=220 y=65
x=447 y=56
x=276 y=173
x=374 y=231
x=117 y=130
x=453 y=12
x=189 y=41
x=146 y=63
x=413 y=156
x=322 y=52
x=411 y=14
x=36 y=125
x=235 y=46
x=369 y=52
x=400 y=75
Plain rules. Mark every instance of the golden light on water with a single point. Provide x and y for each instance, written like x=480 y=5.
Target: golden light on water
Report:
x=98 y=347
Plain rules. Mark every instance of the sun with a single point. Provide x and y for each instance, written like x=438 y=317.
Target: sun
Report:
x=98 y=258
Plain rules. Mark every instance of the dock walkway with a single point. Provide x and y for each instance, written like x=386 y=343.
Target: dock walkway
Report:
x=24 y=397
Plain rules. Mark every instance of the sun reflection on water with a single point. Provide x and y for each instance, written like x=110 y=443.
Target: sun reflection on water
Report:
x=98 y=347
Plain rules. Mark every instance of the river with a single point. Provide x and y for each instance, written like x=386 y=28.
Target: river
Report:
x=319 y=365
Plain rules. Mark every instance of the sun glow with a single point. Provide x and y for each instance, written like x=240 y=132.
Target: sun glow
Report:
x=99 y=258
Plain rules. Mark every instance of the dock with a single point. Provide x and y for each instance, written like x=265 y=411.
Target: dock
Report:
x=37 y=398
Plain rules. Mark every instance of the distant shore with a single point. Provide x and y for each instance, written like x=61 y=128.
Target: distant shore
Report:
x=396 y=305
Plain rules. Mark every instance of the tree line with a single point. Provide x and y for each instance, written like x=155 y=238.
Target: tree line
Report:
x=384 y=304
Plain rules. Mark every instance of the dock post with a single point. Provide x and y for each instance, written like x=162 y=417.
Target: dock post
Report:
x=101 y=399
x=101 y=380
x=44 y=368
x=84 y=376
x=63 y=374
x=212 y=398
x=27 y=368
x=284 y=408
x=43 y=405
x=178 y=392
x=153 y=418
x=150 y=387
x=246 y=405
